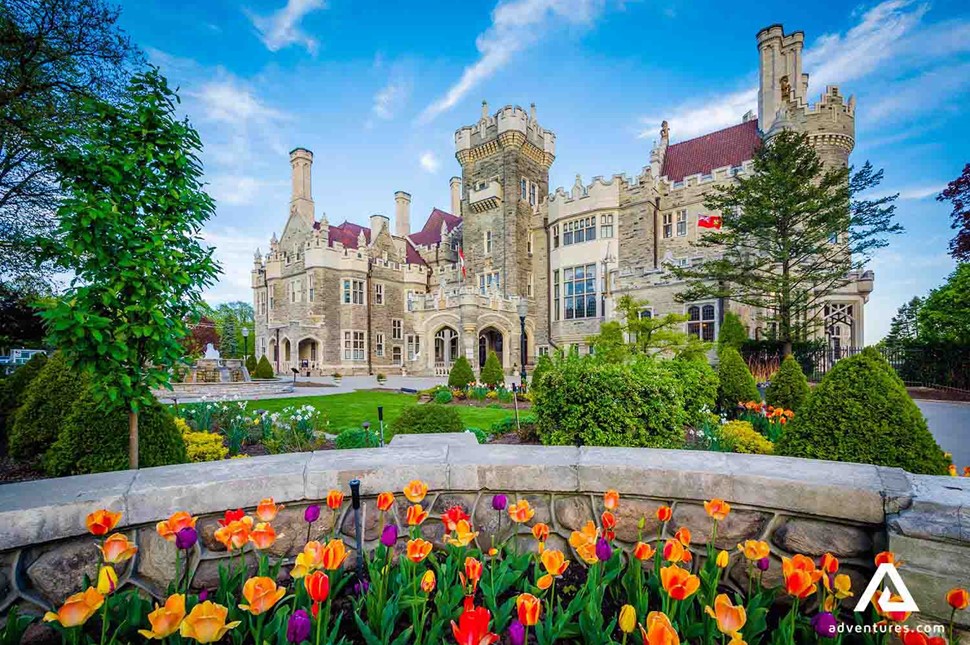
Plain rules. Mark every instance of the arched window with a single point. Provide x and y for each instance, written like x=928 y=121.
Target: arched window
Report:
x=445 y=346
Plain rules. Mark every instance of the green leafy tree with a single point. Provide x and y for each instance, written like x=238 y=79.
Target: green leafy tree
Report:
x=228 y=347
x=904 y=326
x=735 y=383
x=543 y=365
x=732 y=333
x=130 y=228
x=230 y=319
x=945 y=313
x=492 y=374
x=957 y=192
x=789 y=387
x=461 y=374
x=635 y=333
x=793 y=231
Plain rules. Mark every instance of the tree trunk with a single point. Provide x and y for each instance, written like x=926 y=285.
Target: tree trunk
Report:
x=132 y=440
x=786 y=348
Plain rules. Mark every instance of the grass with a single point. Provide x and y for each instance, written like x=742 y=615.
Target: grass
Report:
x=352 y=409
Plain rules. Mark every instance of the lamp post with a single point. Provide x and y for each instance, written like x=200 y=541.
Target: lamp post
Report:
x=245 y=335
x=523 y=309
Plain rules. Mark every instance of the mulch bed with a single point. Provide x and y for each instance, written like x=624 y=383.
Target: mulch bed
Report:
x=14 y=471
x=512 y=438
x=934 y=394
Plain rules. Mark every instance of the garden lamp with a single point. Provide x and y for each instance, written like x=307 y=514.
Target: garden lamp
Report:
x=355 y=503
x=380 y=419
x=523 y=309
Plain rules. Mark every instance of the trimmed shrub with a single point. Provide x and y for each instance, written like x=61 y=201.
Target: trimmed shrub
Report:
x=443 y=397
x=461 y=374
x=204 y=446
x=699 y=383
x=492 y=374
x=480 y=435
x=732 y=333
x=742 y=437
x=264 y=369
x=861 y=412
x=789 y=387
x=251 y=365
x=12 y=390
x=589 y=402
x=543 y=363
x=357 y=438
x=735 y=383
x=419 y=419
x=94 y=439
x=47 y=401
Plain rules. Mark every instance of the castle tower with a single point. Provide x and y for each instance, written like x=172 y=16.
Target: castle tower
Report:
x=780 y=77
x=455 y=186
x=402 y=213
x=301 y=198
x=505 y=160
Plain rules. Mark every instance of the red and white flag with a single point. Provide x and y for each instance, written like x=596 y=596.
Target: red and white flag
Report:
x=709 y=221
x=461 y=261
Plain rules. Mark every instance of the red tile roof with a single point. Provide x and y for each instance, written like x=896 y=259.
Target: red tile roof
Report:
x=411 y=255
x=348 y=232
x=431 y=233
x=728 y=147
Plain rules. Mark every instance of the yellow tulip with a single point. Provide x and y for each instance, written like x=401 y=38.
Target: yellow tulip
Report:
x=628 y=619
x=206 y=623
x=722 y=559
x=261 y=593
x=165 y=620
x=107 y=580
x=77 y=608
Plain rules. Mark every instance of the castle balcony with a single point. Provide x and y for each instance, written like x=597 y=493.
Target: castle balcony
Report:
x=485 y=198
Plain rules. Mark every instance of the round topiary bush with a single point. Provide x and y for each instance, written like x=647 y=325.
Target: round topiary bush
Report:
x=12 y=390
x=742 y=437
x=461 y=374
x=735 y=383
x=789 y=387
x=584 y=401
x=732 y=332
x=492 y=374
x=94 y=439
x=47 y=401
x=251 y=365
x=861 y=412
x=699 y=383
x=443 y=397
x=263 y=369
x=357 y=438
x=428 y=418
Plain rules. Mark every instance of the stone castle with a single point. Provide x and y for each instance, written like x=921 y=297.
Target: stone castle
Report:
x=512 y=259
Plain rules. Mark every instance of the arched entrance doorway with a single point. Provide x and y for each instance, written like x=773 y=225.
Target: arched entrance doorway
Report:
x=445 y=350
x=490 y=339
x=286 y=351
x=307 y=350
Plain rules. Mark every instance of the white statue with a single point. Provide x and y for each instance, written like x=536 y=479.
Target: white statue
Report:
x=211 y=352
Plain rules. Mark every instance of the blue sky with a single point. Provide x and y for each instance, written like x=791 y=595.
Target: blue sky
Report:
x=377 y=89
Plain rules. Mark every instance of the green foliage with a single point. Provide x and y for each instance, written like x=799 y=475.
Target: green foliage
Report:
x=904 y=327
x=861 y=412
x=732 y=333
x=699 y=383
x=735 y=383
x=443 y=396
x=945 y=314
x=743 y=438
x=543 y=365
x=583 y=401
x=789 y=387
x=461 y=374
x=357 y=438
x=430 y=417
x=251 y=365
x=130 y=226
x=204 y=446
x=13 y=389
x=264 y=369
x=492 y=374
x=646 y=335
x=46 y=402
x=94 y=439
x=480 y=435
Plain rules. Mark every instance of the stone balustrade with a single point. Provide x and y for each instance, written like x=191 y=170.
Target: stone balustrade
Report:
x=798 y=506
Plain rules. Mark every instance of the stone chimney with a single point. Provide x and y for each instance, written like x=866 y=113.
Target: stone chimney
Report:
x=301 y=198
x=402 y=213
x=377 y=222
x=455 y=195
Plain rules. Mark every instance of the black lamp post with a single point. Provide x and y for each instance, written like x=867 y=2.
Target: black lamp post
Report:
x=523 y=309
x=245 y=335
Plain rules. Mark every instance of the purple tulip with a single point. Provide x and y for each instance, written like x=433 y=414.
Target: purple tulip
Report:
x=499 y=502
x=516 y=633
x=389 y=535
x=361 y=587
x=186 y=538
x=763 y=563
x=311 y=514
x=603 y=550
x=824 y=624
x=203 y=595
x=298 y=628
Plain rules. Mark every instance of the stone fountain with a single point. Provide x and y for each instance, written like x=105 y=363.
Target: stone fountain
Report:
x=214 y=377
x=212 y=368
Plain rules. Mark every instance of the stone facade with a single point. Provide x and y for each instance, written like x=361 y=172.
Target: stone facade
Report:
x=355 y=299
x=796 y=505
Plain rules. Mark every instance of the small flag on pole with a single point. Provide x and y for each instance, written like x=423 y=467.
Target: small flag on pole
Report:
x=461 y=261
x=709 y=221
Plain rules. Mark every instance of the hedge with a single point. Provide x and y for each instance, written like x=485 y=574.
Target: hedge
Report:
x=427 y=418
x=47 y=401
x=12 y=390
x=743 y=438
x=699 y=383
x=789 y=387
x=264 y=369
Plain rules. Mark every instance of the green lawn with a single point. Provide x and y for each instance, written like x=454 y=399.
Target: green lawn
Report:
x=352 y=409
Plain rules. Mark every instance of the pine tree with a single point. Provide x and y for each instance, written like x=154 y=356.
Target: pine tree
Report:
x=732 y=333
x=904 y=325
x=461 y=374
x=492 y=374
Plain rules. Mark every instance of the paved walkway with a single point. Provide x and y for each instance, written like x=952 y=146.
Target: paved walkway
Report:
x=950 y=424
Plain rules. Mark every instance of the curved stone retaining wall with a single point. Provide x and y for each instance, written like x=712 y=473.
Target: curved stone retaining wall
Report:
x=798 y=506
x=240 y=389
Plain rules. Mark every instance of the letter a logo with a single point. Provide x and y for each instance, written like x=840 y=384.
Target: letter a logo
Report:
x=884 y=602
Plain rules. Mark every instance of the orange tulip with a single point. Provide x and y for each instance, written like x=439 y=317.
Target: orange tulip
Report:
x=334 y=554
x=912 y=637
x=416 y=515
x=261 y=593
x=611 y=500
x=554 y=562
x=952 y=469
x=309 y=560
x=178 y=521
x=659 y=631
x=473 y=572
x=206 y=623
x=235 y=534
x=544 y=582
x=79 y=607
x=521 y=511
x=683 y=536
x=584 y=542
x=263 y=536
x=799 y=584
x=540 y=532
x=334 y=499
x=664 y=513
x=117 y=548
x=385 y=501
x=958 y=598
x=463 y=534
x=317 y=586
x=452 y=516
x=267 y=510
x=608 y=520
x=415 y=490
x=678 y=583
x=418 y=550
x=674 y=551
x=717 y=509
x=754 y=550
x=643 y=551
x=428 y=581
x=730 y=618
x=829 y=563
x=102 y=521
x=887 y=557
x=165 y=620
x=529 y=608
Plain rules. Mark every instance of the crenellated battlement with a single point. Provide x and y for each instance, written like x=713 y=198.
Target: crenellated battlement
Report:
x=509 y=126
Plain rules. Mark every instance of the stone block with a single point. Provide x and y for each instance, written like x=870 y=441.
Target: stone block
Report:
x=521 y=468
x=573 y=512
x=628 y=516
x=370 y=519
x=492 y=526
x=156 y=559
x=59 y=570
x=815 y=538
x=737 y=526
x=435 y=440
x=378 y=469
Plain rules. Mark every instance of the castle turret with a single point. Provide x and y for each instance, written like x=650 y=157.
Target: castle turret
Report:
x=455 y=185
x=301 y=198
x=780 y=77
x=402 y=213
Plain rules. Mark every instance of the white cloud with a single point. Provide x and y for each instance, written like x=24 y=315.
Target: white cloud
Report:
x=234 y=251
x=391 y=98
x=911 y=192
x=240 y=190
x=282 y=28
x=516 y=24
x=230 y=101
x=429 y=162
x=691 y=121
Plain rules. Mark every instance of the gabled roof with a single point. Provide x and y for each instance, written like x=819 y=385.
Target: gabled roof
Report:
x=728 y=147
x=431 y=233
x=347 y=234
